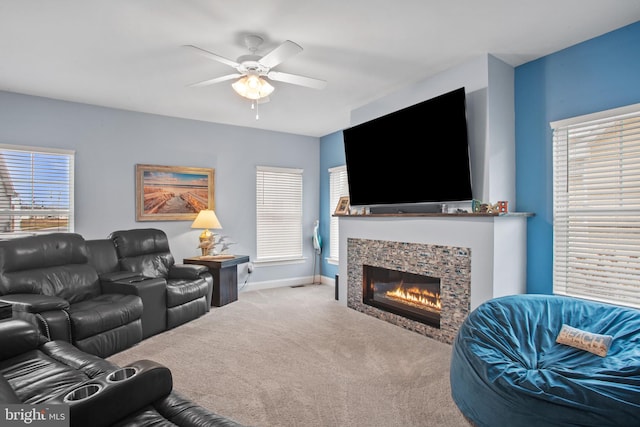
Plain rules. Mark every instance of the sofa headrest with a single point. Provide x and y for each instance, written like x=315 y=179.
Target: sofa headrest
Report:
x=51 y=264
x=139 y=241
x=144 y=251
x=42 y=251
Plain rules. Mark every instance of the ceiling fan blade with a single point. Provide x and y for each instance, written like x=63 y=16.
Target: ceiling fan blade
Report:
x=297 y=80
x=213 y=56
x=216 y=80
x=281 y=53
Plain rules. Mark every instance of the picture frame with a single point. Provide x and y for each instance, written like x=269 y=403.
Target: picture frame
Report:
x=343 y=206
x=173 y=193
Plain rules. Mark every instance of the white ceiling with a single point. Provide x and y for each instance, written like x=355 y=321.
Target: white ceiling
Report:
x=129 y=54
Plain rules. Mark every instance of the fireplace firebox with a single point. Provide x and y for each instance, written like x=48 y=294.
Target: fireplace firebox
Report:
x=414 y=296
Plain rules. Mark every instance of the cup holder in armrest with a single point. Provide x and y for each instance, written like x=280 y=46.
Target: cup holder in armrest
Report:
x=103 y=400
x=81 y=393
x=122 y=374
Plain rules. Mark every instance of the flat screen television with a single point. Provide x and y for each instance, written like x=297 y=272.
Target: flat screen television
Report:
x=412 y=160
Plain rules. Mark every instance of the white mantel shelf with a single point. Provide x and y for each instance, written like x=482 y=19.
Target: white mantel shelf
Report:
x=497 y=243
x=441 y=215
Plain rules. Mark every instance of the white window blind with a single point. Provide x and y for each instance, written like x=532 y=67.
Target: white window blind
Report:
x=597 y=206
x=338 y=187
x=36 y=191
x=279 y=214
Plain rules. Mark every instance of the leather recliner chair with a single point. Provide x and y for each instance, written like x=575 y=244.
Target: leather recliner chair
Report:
x=189 y=287
x=98 y=393
x=49 y=282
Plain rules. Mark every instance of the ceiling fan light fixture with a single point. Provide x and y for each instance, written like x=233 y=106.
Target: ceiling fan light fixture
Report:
x=253 y=87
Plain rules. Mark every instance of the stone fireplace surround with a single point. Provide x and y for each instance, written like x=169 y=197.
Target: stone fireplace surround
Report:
x=451 y=264
x=496 y=244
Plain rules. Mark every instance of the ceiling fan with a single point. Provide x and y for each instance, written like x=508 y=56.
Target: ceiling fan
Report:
x=252 y=69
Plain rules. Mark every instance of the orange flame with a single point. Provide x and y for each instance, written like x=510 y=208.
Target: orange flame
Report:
x=416 y=296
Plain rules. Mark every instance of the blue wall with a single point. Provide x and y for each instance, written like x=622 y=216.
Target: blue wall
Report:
x=331 y=155
x=599 y=74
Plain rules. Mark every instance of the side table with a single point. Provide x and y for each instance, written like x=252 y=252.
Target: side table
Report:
x=225 y=276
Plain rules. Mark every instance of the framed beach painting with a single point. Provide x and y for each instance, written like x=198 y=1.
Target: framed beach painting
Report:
x=172 y=193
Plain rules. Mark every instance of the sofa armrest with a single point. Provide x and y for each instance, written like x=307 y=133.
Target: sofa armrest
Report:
x=48 y=313
x=116 y=399
x=134 y=285
x=187 y=271
x=16 y=337
x=35 y=303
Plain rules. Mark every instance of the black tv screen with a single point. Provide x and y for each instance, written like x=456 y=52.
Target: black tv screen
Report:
x=416 y=155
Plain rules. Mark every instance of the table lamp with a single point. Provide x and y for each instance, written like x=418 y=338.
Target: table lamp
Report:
x=206 y=219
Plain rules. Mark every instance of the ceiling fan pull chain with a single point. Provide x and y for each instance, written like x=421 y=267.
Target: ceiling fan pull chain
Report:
x=254 y=105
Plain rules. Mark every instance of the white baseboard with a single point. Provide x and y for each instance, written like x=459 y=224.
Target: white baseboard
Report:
x=296 y=281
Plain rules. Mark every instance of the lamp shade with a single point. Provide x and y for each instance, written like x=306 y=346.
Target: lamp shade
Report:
x=252 y=87
x=206 y=219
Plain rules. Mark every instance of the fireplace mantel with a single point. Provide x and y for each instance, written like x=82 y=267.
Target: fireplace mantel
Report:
x=497 y=244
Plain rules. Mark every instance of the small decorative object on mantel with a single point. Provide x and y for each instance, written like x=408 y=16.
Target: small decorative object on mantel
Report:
x=488 y=208
x=343 y=206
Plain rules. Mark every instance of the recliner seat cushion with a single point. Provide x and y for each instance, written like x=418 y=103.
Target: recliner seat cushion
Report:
x=103 y=313
x=38 y=375
x=36 y=378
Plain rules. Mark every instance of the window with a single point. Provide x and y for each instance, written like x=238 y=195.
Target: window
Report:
x=596 y=205
x=279 y=214
x=36 y=191
x=338 y=187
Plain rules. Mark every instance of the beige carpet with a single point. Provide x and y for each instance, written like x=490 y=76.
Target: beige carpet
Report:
x=296 y=357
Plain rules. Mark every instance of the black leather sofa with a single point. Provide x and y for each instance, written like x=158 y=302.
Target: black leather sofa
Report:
x=49 y=282
x=104 y=295
x=97 y=392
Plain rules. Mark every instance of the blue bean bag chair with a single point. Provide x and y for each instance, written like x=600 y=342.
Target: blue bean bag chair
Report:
x=507 y=368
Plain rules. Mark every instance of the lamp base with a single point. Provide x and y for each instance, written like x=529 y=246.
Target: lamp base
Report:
x=207 y=242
